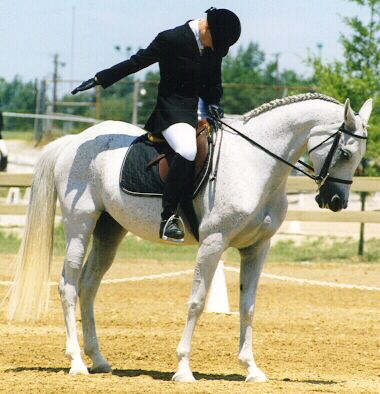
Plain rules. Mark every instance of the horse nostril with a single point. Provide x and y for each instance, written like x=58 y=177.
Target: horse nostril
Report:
x=336 y=203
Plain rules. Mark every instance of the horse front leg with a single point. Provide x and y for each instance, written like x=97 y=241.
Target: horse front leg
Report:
x=208 y=256
x=252 y=261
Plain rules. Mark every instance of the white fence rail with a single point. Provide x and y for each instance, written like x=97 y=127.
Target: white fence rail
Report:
x=71 y=118
x=295 y=184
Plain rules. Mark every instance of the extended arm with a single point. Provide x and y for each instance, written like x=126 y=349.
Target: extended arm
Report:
x=143 y=58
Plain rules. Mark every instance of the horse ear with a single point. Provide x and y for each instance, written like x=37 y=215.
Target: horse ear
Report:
x=349 y=116
x=365 y=110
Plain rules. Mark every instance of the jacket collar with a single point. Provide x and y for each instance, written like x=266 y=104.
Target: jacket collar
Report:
x=194 y=26
x=190 y=39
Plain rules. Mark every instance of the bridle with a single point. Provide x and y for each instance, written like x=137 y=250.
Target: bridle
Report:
x=323 y=176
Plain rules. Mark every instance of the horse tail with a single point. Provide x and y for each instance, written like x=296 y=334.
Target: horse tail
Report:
x=29 y=293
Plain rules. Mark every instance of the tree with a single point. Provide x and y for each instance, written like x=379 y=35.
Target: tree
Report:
x=249 y=67
x=357 y=76
x=17 y=96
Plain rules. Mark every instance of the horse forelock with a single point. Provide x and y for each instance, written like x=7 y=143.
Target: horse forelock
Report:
x=286 y=101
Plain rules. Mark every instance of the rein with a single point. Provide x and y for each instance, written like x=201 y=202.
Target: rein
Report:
x=323 y=176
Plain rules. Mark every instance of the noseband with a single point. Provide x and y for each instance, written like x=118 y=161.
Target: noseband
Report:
x=323 y=176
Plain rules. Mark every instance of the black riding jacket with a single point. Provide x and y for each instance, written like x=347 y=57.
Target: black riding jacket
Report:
x=185 y=76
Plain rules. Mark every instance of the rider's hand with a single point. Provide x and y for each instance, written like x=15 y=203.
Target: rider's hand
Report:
x=216 y=111
x=90 y=83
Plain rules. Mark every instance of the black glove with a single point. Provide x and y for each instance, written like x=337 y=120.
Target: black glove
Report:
x=216 y=111
x=90 y=83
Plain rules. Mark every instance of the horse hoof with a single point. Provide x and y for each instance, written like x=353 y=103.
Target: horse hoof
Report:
x=103 y=368
x=183 y=376
x=78 y=371
x=256 y=377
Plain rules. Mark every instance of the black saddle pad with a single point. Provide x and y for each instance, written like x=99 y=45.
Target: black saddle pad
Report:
x=139 y=180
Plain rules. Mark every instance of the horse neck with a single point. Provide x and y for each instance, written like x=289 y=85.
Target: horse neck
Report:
x=286 y=130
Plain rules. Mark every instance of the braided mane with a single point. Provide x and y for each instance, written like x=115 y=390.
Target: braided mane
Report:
x=285 y=101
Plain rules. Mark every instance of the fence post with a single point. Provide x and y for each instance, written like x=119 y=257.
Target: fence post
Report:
x=363 y=196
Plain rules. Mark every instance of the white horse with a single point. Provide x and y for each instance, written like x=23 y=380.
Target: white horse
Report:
x=243 y=208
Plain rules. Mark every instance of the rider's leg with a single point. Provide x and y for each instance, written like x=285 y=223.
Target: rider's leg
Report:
x=182 y=139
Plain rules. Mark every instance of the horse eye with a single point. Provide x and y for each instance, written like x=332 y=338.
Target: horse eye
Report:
x=346 y=154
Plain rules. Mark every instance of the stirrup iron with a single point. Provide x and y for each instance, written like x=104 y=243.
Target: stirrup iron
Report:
x=168 y=221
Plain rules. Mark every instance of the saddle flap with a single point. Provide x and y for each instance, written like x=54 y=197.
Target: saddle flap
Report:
x=146 y=165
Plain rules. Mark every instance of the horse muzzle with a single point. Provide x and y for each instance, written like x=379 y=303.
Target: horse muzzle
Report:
x=331 y=197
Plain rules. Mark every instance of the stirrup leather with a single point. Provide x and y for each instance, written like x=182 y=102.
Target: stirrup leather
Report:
x=168 y=221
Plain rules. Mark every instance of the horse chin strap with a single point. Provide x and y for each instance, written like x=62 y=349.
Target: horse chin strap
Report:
x=321 y=178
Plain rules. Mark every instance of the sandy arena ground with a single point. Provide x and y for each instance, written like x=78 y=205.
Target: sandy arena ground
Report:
x=308 y=338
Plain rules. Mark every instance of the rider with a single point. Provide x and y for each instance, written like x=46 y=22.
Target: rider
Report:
x=190 y=58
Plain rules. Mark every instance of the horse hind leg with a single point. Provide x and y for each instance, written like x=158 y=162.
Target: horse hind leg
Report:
x=78 y=230
x=106 y=238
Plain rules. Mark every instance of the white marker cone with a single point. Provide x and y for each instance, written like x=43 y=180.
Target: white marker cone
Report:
x=218 y=298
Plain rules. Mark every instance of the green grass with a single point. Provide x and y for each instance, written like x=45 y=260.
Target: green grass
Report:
x=325 y=249
x=4 y=191
x=314 y=250
x=9 y=243
x=24 y=135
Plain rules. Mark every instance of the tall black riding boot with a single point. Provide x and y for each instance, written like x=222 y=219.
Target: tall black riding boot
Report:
x=180 y=173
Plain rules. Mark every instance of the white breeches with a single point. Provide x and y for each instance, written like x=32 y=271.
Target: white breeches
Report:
x=182 y=139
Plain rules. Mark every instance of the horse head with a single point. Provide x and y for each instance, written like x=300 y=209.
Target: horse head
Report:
x=336 y=151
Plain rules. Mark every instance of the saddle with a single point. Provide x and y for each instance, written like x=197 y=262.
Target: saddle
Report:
x=146 y=166
x=147 y=162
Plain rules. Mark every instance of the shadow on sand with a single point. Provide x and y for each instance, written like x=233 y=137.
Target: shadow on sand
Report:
x=166 y=376
x=158 y=375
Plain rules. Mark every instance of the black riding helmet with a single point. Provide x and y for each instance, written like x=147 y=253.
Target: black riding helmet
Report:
x=224 y=27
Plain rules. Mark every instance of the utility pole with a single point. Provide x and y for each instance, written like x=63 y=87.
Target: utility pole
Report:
x=72 y=46
x=277 y=57
x=55 y=79
x=320 y=48
x=40 y=124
